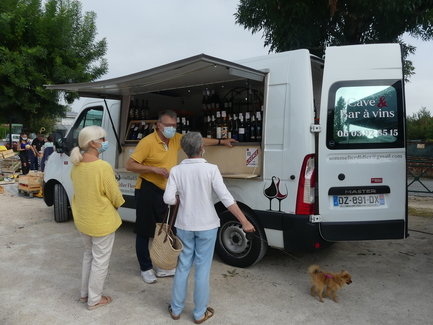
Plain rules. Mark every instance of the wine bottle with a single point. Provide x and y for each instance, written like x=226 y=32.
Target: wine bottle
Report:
x=217 y=101
x=179 y=126
x=146 y=129
x=140 y=132
x=247 y=124
x=258 y=127
x=224 y=126
x=131 y=112
x=204 y=109
x=235 y=128
x=142 y=111
x=213 y=124
x=253 y=128
x=147 y=110
x=212 y=99
x=218 y=125
x=135 y=134
x=130 y=132
x=209 y=127
x=137 y=110
x=241 y=129
x=230 y=126
x=208 y=102
x=183 y=126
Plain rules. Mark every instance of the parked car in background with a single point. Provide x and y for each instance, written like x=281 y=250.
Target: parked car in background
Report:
x=15 y=140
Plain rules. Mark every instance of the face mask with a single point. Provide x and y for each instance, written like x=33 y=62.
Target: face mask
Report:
x=104 y=147
x=24 y=138
x=169 y=132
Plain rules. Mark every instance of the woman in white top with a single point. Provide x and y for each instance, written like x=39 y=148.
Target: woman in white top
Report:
x=197 y=223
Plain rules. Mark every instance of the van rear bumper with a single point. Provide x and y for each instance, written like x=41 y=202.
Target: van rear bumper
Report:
x=299 y=234
x=366 y=230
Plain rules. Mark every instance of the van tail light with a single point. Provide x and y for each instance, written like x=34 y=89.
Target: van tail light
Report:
x=306 y=188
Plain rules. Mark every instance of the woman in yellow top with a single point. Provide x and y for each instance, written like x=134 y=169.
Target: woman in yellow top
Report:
x=94 y=206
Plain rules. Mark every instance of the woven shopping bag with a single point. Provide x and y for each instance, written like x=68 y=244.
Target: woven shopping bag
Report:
x=166 y=247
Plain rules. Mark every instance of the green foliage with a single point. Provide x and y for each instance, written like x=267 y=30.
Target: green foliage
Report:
x=420 y=125
x=53 y=43
x=315 y=24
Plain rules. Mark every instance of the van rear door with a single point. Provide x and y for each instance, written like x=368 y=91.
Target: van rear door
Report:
x=361 y=154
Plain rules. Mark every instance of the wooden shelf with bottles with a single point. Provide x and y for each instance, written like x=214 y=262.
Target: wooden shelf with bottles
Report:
x=148 y=126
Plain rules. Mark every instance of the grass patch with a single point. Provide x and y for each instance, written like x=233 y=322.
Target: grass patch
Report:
x=420 y=212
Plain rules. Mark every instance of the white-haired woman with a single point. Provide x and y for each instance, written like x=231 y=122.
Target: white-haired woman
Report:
x=197 y=223
x=94 y=206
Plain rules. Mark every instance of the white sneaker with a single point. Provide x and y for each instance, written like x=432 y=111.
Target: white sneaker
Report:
x=149 y=276
x=160 y=273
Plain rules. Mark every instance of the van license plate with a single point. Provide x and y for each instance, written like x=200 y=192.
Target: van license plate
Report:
x=359 y=200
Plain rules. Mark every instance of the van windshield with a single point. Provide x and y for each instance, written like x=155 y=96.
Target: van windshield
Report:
x=365 y=115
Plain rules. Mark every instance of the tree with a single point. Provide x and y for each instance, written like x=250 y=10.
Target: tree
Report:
x=420 y=125
x=315 y=24
x=40 y=44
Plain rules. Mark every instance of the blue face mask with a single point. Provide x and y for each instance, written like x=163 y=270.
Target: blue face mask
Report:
x=104 y=147
x=169 y=132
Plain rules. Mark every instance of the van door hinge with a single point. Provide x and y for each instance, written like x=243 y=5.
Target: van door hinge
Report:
x=315 y=128
x=315 y=218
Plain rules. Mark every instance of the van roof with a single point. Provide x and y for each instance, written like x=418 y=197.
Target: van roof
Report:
x=196 y=71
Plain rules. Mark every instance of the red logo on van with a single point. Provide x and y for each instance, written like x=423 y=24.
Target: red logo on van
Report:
x=377 y=180
x=382 y=102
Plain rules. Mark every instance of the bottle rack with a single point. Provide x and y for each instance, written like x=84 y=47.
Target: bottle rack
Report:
x=150 y=124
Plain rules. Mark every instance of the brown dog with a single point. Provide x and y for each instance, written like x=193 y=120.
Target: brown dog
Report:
x=332 y=281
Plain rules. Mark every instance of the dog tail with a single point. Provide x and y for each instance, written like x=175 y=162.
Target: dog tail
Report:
x=314 y=269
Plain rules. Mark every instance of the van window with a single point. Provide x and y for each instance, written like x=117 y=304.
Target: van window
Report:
x=91 y=116
x=365 y=115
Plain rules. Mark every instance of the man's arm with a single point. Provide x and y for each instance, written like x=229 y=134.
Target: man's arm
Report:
x=135 y=167
x=214 y=142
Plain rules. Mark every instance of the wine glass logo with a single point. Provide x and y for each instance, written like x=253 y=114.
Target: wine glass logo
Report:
x=273 y=192
x=280 y=196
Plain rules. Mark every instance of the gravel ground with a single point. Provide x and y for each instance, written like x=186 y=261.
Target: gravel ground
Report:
x=40 y=265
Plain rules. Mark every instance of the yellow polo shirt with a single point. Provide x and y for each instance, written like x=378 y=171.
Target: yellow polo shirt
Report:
x=151 y=151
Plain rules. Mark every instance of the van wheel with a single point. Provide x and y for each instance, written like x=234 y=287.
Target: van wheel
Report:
x=237 y=248
x=61 y=204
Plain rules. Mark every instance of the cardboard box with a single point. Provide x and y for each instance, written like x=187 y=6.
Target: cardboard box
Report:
x=35 y=173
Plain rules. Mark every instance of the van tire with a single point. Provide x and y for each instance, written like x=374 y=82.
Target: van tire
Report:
x=233 y=246
x=61 y=204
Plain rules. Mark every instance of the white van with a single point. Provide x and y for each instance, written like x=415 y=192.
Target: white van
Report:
x=329 y=164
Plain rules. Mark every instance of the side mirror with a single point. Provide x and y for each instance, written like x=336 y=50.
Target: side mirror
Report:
x=58 y=141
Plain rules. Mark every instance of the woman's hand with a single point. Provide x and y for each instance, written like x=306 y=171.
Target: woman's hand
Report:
x=248 y=227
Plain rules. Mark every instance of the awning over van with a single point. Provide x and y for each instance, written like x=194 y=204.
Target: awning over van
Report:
x=170 y=79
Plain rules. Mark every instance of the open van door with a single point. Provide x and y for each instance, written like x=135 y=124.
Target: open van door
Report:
x=361 y=153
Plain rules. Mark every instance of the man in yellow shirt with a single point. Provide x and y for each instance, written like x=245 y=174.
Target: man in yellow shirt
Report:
x=152 y=159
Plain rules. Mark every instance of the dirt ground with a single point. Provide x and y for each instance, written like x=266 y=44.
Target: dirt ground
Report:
x=40 y=265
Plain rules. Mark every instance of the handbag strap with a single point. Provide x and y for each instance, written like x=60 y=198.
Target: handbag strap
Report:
x=171 y=220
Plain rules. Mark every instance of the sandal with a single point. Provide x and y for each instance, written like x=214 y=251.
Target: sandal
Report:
x=207 y=314
x=99 y=304
x=173 y=316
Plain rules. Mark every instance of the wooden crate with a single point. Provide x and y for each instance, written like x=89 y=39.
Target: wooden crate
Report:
x=7 y=154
